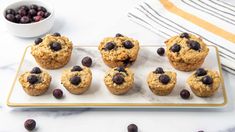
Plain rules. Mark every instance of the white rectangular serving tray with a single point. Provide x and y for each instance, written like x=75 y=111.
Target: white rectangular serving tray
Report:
x=98 y=95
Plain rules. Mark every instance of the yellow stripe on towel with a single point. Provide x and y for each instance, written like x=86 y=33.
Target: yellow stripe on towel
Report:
x=198 y=21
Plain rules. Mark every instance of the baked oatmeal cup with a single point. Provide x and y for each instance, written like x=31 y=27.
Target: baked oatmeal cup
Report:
x=119 y=80
x=119 y=50
x=204 y=82
x=53 y=51
x=186 y=52
x=77 y=80
x=161 y=82
x=35 y=82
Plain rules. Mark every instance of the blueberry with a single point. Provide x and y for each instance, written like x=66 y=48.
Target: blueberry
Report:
x=193 y=45
x=200 y=72
x=33 y=6
x=76 y=68
x=57 y=93
x=37 y=41
x=159 y=70
x=32 y=12
x=118 y=79
x=47 y=14
x=36 y=70
x=56 y=34
x=161 y=51
x=37 y=18
x=127 y=61
x=40 y=13
x=24 y=7
x=128 y=44
x=10 y=17
x=110 y=46
x=121 y=69
x=207 y=80
x=10 y=11
x=184 y=35
x=40 y=8
x=87 y=61
x=24 y=19
x=30 y=124
x=55 y=46
x=164 y=79
x=175 y=48
x=17 y=18
x=32 y=79
x=132 y=128
x=22 y=12
x=118 y=35
x=185 y=94
x=75 y=80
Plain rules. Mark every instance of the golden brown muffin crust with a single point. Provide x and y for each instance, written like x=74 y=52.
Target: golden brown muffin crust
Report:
x=121 y=88
x=119 y=54
x=201 y=89
x=38 y=88
x=86 y=78
x=187 y=59
x=49 y=59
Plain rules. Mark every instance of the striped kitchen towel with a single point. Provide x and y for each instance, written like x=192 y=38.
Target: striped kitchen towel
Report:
x=213 y=20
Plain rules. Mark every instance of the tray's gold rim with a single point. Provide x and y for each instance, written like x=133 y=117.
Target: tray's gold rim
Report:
x=116 y=104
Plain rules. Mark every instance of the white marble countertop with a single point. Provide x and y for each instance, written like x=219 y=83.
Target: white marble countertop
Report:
x=87 y=22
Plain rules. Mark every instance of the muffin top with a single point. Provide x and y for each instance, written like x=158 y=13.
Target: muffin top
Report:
x=204 y=80
x=187 y=48
x=119 y=77
x=119 y=48
x=77 y=77
x=36 y=78
x=52 y=46
x=161 y=79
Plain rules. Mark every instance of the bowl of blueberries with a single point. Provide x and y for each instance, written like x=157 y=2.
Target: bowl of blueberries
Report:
x=29 y=18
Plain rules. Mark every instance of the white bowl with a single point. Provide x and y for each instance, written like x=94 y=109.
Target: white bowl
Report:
x=30 y=29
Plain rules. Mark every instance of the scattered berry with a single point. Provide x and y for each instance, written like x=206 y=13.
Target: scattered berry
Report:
x=185 y=94
x=161 y=51
x=30 y=124
x=87 y=61
x=132 y=128
x=57 y=93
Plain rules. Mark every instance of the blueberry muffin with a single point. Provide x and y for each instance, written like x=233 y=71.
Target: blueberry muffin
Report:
x=119 y=50
x=161 y=82
x=204 y=83
x=77 y=80
x=186 y=52
x=53 y=51
x=119 y=80
x=35 y=82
